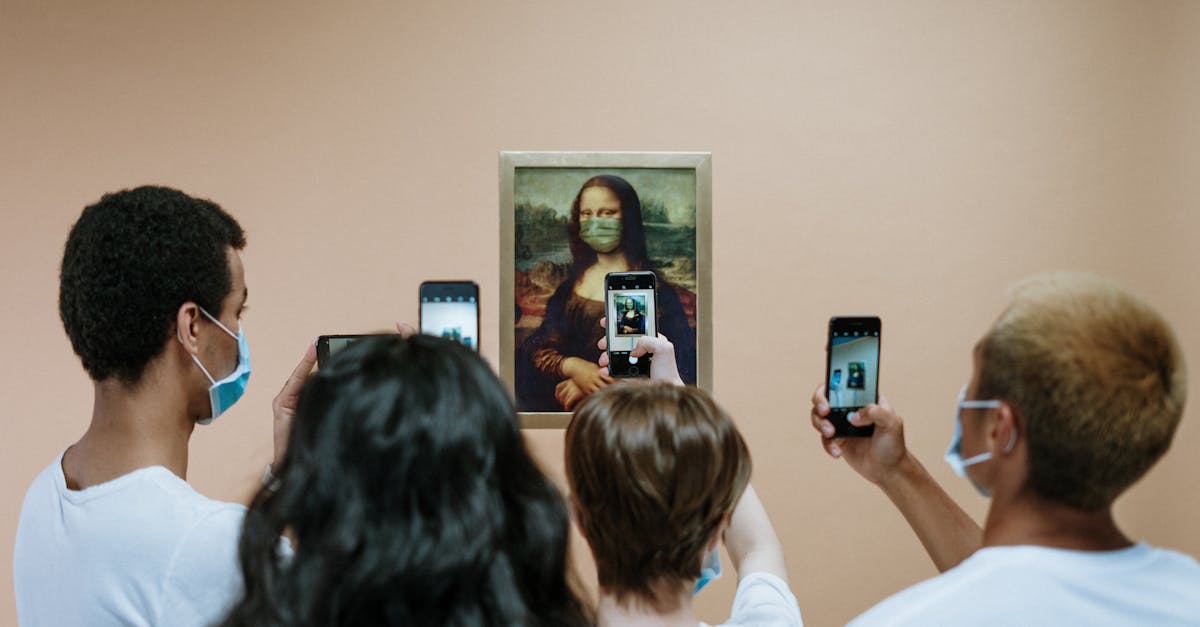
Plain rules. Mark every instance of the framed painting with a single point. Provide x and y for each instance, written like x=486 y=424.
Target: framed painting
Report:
x=566 y=220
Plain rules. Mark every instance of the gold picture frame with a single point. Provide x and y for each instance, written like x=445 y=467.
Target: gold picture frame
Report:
x=541 y=268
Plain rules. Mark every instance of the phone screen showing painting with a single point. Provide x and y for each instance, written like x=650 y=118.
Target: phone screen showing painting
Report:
x=853 y=368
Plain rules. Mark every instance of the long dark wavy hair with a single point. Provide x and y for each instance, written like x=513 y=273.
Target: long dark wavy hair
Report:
x=410 y=499
x=633 y=234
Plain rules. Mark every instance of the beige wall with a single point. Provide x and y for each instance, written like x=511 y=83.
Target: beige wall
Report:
x=906 y=159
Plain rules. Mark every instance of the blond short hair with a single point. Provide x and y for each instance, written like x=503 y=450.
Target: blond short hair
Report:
x=653 y=469
x=1097 y=379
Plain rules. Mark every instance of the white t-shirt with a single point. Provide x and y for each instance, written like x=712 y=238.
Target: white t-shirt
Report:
x=142 y=549
x=763 y=600
x=1032 y=585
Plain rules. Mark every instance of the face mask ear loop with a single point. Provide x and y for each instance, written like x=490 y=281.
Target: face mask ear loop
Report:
x=218 y=323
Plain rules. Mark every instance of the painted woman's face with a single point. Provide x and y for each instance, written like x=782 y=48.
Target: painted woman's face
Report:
x=598 y=202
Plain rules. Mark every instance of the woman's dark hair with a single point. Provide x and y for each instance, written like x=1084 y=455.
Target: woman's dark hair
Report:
x=130 y=261
x=411 y=500
x=633 y=236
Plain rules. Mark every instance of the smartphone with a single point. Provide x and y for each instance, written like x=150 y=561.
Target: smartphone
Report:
x=330 y=345
x=450 y=309
x=631 y=309
x=851 y=370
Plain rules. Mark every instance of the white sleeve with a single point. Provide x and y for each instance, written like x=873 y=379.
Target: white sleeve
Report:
x=764 y=600
x=204 y=579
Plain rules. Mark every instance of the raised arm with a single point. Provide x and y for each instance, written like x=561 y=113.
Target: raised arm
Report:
x=751 y=540
x=948 y=534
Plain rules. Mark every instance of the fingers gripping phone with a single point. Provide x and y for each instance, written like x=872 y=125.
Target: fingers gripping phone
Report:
x=450 y=309
x=631 y=311
x=851 y=370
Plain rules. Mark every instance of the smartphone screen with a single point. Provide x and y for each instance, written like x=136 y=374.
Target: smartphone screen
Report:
x=450 y=309
x=330 y=345
x=852 y=370
x=630 y=308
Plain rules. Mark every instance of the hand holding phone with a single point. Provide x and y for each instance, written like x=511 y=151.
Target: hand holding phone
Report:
x=851 y=370
x=631 y=313
x=664 y=368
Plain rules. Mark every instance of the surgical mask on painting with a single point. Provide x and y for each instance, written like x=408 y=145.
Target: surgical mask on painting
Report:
x=602 y=234
x=709 y=571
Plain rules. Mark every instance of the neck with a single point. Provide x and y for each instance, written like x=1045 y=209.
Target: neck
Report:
x=612 y=612
x=132 y=427
x=1026 y=518
x=612 y=262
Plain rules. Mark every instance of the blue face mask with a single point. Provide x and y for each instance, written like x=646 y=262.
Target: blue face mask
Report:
x=709 y=571
x=224 y=393
x=954 y=451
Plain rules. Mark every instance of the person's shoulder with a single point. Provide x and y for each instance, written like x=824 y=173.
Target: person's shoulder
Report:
x=1175 y=559
x=162 y=490
x=161 y=509
x=48 y=481
x=203 y=577
x=1042 y=585
x=1173 y=569
x=932 y=600
x=764 y=599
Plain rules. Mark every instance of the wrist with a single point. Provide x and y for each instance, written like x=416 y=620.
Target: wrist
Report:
x=907 y=472
x=569 y=366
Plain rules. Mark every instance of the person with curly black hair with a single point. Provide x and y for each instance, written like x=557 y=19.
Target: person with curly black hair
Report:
x=410 y=499
x=151 y=296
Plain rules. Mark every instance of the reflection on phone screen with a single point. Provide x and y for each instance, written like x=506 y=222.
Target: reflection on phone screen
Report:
x=336 y=344
x=631 y=313
x=853 y=368
x=452 y=317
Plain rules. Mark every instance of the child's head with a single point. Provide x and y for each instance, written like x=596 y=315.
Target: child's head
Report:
x=655 y=471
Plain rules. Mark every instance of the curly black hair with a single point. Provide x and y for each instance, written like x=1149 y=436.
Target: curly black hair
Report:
x=130 y=261
x=412 y=500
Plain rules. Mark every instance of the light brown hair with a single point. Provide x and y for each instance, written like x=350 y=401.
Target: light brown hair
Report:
x=653 y=470
x=1097 y=379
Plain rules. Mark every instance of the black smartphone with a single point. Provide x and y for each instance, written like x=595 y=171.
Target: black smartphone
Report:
x=851 y=370
x=330 y=345
x=450 y=309
x=632 y=311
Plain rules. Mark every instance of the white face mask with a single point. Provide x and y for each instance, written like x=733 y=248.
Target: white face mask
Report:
x=954 y=451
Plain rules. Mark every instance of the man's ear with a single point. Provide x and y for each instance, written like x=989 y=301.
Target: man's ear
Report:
x=186 y=326
x=1005 y=430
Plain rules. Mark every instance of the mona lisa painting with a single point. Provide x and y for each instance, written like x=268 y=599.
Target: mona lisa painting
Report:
x=568 y=219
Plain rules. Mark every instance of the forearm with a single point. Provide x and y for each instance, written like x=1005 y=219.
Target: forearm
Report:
x=948 y=534
x=751 y=540
x=549 y=362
